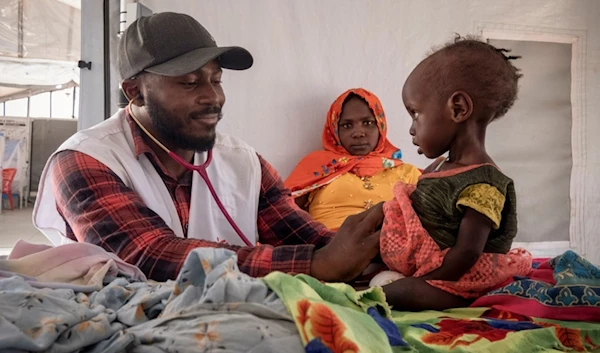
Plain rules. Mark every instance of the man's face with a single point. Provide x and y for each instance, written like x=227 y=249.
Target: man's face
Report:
x=185 y=110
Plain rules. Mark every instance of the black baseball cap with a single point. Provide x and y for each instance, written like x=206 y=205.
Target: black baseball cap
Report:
x=173 y=44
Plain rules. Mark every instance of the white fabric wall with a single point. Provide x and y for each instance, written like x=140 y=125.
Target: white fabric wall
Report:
x=309 y=51
x=532 y=143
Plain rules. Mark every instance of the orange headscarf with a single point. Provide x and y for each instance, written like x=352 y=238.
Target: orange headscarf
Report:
x=321 y=167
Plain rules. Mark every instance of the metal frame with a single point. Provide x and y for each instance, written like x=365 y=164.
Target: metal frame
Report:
x=92 y=93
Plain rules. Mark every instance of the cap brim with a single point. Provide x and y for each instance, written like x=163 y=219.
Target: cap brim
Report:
x=233 y=58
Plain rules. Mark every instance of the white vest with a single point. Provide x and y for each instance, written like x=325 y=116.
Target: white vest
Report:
x=235 y=173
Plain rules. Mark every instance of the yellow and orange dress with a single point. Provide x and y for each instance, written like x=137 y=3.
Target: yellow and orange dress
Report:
x=421 y=224
x=350 y=194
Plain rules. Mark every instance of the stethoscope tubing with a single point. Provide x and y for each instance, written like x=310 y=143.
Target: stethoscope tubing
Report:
x=200 y=169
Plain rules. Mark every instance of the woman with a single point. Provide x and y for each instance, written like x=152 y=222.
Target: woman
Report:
x=359 y=166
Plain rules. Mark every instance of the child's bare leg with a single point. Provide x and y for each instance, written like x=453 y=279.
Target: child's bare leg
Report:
x=414 y=294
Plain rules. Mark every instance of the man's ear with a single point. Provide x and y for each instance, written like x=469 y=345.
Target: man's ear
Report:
x=132 y=91
x=461 y=106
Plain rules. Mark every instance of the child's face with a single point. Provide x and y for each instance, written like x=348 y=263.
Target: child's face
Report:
x=432 y=128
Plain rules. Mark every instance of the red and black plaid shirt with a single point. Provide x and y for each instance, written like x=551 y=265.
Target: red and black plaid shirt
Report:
x=100 y=209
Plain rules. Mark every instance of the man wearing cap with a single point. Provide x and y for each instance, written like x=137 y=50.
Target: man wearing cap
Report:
x=118 y=185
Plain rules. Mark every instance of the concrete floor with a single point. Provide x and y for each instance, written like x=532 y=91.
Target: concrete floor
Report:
x=15 y=225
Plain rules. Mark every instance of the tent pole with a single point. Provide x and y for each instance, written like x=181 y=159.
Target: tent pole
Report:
x=20 y=29
x=74 y=98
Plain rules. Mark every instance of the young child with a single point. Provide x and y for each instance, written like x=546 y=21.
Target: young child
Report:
x=451 y=234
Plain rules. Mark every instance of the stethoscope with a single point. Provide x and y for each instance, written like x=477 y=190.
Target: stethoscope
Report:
x=201 y=169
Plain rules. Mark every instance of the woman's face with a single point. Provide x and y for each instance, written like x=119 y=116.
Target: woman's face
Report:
x=357 y=128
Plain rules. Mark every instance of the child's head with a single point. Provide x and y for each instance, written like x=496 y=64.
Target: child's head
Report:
x=458 y=90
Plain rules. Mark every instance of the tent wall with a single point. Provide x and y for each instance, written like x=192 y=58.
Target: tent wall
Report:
x=46 y=136
x=536 y=136
x=40 y=29
x=39 y=47
x=307 y=52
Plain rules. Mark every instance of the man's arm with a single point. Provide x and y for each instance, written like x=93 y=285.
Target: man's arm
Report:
x=282 y=224
x=100 y=209
x=280 y=220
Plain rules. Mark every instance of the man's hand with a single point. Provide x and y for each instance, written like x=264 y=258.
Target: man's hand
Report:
x=352 y=248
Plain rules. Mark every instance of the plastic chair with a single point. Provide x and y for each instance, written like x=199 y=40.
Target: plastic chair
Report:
x=8 y=175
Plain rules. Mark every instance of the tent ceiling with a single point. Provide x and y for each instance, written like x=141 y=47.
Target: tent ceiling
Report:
x=40 y=44
x=10 y=91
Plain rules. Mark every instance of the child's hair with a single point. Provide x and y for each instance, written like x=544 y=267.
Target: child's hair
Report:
x=485 y=69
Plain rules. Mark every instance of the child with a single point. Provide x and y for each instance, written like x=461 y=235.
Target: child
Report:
x=452 y=232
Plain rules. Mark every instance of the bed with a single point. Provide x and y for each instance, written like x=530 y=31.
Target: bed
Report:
x=78 y=298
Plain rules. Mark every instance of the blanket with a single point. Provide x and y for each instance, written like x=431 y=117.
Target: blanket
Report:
x=336 y=318
x=78 y=266
x=333 y=317
x=492 y=330
x=211 y=306
x=564 y=288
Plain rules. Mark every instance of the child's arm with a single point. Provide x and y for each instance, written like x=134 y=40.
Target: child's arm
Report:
x=472 y=236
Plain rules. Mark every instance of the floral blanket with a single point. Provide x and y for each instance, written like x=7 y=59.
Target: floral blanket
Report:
x=336 y=318
x=491 y=330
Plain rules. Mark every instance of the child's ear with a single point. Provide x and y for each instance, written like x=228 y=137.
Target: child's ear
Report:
x=461 y=106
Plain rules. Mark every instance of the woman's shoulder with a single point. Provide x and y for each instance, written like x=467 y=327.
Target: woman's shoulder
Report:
x=406 y=172
x=312 y=163
x=319 y=155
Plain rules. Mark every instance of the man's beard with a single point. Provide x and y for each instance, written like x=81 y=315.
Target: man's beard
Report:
x=170 y=127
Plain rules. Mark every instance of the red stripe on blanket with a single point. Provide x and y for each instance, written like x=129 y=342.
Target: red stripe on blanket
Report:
x=530 y=307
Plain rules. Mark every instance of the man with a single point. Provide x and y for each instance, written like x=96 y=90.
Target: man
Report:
x=119 y=185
